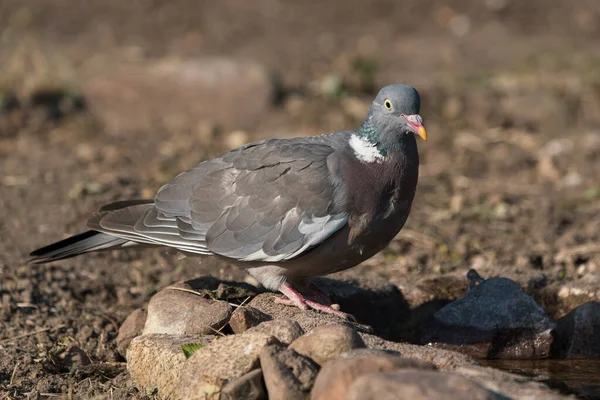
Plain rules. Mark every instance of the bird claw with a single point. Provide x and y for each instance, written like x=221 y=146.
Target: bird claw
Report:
x=296 y=299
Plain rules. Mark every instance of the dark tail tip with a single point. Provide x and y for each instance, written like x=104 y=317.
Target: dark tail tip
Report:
x=73 y=246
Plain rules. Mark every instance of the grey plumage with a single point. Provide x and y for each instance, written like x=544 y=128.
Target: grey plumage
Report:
x=284 y=209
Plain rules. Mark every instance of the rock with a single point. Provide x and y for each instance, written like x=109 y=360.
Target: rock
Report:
x=210 y=368
x=74 y=356
x=285 y=330
x=177 y=312
x=250 y=386
x=182 y=91
x=338 y=375
x=445 y=360
x=494 y=319
x=131 y=328
x=509 y=385
x=244 y=318
x=287 y=374
x=325 y=343
x=417 y=385
x=307 y=319
x=357 y=353
x=154 y=361
x=579 y=332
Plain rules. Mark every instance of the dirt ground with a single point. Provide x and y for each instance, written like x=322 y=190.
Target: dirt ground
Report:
x=509 y=178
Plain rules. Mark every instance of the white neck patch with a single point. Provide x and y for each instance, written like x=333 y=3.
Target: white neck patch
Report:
x=365 y=150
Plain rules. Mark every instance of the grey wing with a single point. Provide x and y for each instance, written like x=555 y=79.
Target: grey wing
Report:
x=268 y=201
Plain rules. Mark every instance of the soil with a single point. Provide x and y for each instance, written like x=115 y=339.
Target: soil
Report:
x=508 y=185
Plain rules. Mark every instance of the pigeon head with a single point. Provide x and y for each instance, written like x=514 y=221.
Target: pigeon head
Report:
x=393 y=119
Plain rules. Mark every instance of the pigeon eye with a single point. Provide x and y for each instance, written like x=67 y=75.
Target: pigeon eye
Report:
x=388 y=104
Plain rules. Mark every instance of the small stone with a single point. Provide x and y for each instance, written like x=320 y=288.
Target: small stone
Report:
x=248 y=387
x=177 y=312
x=74 y=356
x=579 y=332
x=131 y=328
x=210 y=368
x=285 y=330
x=417 y=385
x=327 y=342
x=337 y=375
x=244 y=318
x=287 y=374
x=154 y=361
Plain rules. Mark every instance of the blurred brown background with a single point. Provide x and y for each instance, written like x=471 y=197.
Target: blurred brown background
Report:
x=103 y=100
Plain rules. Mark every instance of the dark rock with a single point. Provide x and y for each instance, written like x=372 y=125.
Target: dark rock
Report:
x=496 y=319
x=131 y=328
x=285 y=330
x=578 y=332
x=327 y=342
x=244 y=318
x=287 y=374
x=417 y=385
x=74 y=356
x=249 y=387
x=338 y=375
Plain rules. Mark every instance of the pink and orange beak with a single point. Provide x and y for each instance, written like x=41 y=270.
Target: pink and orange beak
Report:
x=416 y=123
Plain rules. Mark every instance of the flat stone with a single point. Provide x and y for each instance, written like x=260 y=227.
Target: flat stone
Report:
x=285 y=330
x=417 y=385
x=579 y=332
x=495 y=319
x=177 y=312
x=338 y=375
x=248 y=387
x=154 y=361
x=307 y=319
x=288 y=375
x=225 y=359
x=325 y=343
x=244 y=318
x=445 y=360
x=131 y=328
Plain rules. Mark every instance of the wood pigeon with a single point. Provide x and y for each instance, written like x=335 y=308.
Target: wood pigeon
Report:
x=285 y=210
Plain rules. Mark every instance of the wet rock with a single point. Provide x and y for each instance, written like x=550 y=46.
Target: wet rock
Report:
x=154 y=361
x=495 y=319
x=509 y=385
x=417 y=385
x=250 y=386
x=176 y=312
x=285 y=330
x=131 y=328
x=183 y=91
x=445 y=360
x=327 y=342
x=210 y=368
x=244 y=318
x=287 y=374
x=338 y=375
x=579 y=332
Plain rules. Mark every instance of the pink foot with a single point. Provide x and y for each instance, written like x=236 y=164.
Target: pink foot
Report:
x=296 y=299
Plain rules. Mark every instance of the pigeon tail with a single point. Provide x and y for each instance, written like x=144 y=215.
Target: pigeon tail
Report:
x=75 y=245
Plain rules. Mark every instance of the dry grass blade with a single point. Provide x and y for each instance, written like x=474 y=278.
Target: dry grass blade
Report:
x=31 y=334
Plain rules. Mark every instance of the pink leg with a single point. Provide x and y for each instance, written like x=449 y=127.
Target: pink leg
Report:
x=298 y=300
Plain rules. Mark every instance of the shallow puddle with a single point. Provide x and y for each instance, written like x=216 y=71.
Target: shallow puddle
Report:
x=579 y=377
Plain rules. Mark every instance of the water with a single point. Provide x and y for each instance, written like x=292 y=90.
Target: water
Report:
x=578 y=377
